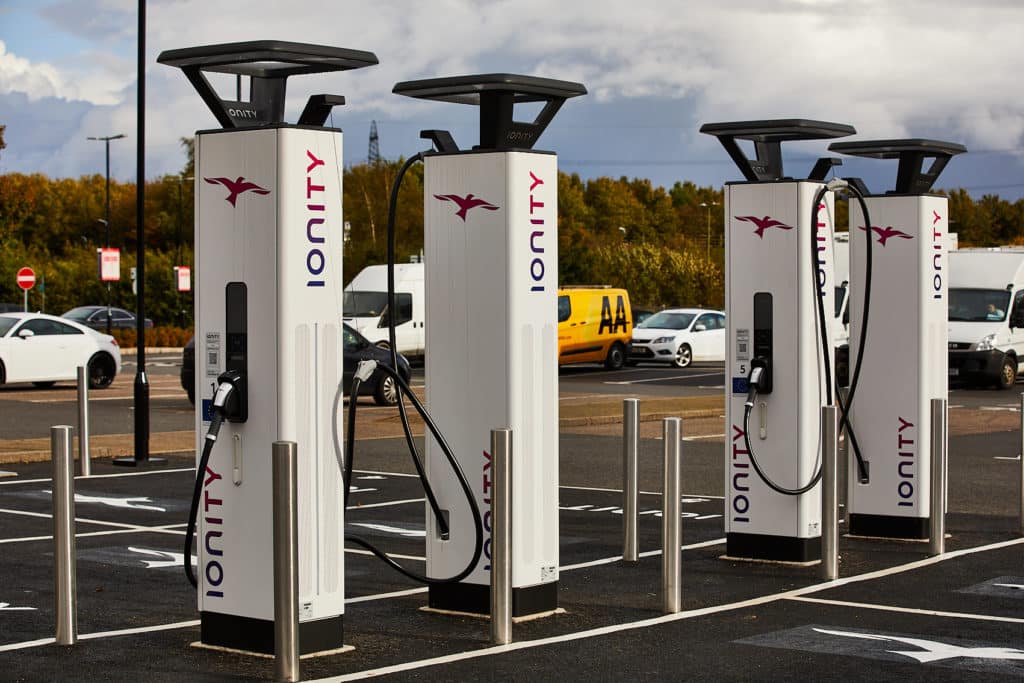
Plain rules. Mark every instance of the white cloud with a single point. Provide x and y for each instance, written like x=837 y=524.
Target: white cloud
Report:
x=942 y=68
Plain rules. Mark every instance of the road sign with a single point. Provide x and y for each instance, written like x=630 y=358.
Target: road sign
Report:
x=183 y=275
x=26 y=278
x=110 y=264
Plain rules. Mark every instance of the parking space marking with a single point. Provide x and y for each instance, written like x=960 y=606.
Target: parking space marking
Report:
x=47 y=480
x=664 y=619
x=389 y=503
x=133 y=503
x=83 y=520
x=163 y=529
x=6 y=607
x=908 y=610
x=665 y=379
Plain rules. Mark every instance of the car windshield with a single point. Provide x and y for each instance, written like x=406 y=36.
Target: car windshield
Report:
x=668 y=321
x=978 y=305
x=363 y=304
x=81 y=313
x=6 y=323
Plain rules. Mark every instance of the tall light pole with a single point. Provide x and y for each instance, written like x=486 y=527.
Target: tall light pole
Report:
x=707 y=211
x=106 y=243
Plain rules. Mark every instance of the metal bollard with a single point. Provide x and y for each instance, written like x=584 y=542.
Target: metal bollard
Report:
x=85 y=466
x=671 y=519
x=630 y=450
x=937 y=521
x=501 y=536
x=284 y=456
x=829 y=493
x=65 y=585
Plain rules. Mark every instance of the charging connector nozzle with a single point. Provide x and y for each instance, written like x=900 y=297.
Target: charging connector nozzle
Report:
x=365 y=369
x=754 y=382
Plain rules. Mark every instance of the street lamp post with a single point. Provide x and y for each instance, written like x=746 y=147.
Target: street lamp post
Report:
x=707 y=211
x=106 y=140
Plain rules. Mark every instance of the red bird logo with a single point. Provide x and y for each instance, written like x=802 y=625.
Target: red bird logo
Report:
x=466 y=203
x=763 y=224
x=237 y=187
x=885 y=233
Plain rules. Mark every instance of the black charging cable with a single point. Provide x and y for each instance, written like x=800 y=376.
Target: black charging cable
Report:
x=844 y=422
x=758 y=373
x=226 y=398
x=404 y=390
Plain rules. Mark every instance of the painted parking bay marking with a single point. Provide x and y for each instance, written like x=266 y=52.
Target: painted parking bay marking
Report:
x=617 y=510
x=6 y=607
x=895 y=647
x=127 y=503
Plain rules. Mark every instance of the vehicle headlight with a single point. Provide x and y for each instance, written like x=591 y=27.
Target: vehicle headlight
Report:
x=663 y=340
x=987 y=343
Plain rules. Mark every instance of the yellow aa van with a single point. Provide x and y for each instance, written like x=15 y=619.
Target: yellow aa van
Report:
x=595 y=325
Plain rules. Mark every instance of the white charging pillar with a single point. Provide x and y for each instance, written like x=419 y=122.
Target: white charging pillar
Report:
x=491 y=283
x=269 y=263
x=905 y=355
x=778 y=260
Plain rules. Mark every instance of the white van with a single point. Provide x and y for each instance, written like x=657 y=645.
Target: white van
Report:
x=364 y=306
x=986 y=315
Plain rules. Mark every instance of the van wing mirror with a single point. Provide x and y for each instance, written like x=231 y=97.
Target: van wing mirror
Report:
x=1017 y=318
x=700 y=327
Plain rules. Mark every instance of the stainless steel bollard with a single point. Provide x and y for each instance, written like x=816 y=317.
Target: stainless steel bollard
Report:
x=501 y=536
x=284 y=456
x=65 y=585
x=85 y=466
x=829 y=493
x=937 y=521
x=671 y=519
x=630 y=450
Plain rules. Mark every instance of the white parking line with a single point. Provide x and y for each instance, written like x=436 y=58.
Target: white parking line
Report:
x=102 y=476
x=666 y=379
x=909 y=610
x=657 y=621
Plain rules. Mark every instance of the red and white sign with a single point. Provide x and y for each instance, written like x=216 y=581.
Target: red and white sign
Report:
x=110 y=264
x=183 y=276
x=26 y=278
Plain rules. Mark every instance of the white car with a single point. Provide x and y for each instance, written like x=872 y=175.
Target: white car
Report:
x=679 y=336
x=44 y=349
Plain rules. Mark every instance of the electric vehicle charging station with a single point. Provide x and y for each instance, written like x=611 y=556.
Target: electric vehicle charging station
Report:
x=269 y=261
x=906 y=359
x=491 y=267
x=774 y=277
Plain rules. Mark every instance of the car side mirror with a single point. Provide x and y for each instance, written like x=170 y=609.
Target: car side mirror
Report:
x=700 y=327
x=1017 y=319
x=25 y=334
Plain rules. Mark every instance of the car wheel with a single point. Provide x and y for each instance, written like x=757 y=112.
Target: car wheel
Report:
x=1008 y=373
x=3 y=373
x=191 y=395
x=386 y=393
x=684 y=356
x=616 y=357
x=101 y=371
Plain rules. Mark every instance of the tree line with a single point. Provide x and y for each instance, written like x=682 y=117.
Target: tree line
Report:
x=664 y=245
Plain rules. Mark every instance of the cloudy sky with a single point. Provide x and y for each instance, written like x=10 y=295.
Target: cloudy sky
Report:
x=655 y=71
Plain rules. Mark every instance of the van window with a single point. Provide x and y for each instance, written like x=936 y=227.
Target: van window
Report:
x=564 y=308
x=978 y=305
x=363 y=304
x=404 y=303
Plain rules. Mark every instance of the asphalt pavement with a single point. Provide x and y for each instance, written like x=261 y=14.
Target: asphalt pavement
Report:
x=895 y=613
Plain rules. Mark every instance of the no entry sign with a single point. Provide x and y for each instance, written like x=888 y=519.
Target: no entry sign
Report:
x=26 y=278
